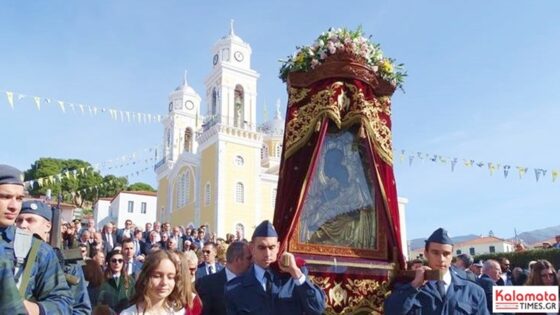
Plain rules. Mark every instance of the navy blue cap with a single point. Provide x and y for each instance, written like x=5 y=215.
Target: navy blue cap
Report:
x=265 y=229
x=440 y=236
x=10 y=175
x=37 y=207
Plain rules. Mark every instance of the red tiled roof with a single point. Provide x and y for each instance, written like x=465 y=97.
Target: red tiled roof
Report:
x=483 y=240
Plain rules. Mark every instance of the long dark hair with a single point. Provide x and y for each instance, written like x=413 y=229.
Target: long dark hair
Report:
x=535 y=272
x=124 y=274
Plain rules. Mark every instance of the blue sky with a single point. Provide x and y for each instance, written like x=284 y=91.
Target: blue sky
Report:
x=483 y=84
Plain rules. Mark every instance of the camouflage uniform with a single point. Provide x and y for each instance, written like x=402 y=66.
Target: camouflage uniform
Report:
x=47 y=285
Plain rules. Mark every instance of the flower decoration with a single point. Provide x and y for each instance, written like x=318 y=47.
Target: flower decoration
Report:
x=307 y=58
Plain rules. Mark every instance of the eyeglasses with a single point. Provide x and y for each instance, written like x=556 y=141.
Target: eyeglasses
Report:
x=206 y=252
x=114 y=261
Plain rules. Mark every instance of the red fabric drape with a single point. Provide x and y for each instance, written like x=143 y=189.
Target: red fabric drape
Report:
x=311 y=110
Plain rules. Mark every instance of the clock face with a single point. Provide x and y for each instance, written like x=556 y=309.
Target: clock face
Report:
x=189 y=105
x=215 y=59
x=238 y=56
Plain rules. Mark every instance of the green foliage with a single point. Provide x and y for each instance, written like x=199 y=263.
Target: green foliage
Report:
x=71 y=176
x=522 y=259
x=140 y=187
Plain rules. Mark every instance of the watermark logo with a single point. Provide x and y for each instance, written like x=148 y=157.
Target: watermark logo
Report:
x=525 y=299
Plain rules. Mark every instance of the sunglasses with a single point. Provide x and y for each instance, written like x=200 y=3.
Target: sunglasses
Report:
x=114 y=261
x=192 y=269
x=206 y=252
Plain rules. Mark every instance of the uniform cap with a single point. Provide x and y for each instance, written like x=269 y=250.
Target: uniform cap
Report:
x=265 y=229
x=440 y=236
x=37 y=207
x=10 y=175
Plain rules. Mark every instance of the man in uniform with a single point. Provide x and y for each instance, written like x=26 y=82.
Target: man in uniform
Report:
x=41 y=279
x=267 y=291
x=36 y=217
x=454 y=294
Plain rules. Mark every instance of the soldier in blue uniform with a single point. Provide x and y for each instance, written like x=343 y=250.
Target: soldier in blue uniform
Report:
x=455 y=294
x=39 y=280
x=264 y=290
x=36 y=217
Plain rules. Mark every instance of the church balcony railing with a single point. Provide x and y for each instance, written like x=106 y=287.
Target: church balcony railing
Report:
x=213 y=120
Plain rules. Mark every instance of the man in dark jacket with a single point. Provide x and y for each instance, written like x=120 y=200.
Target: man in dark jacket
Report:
x=211 y=288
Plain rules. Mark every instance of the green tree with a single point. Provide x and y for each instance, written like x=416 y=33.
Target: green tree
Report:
x=75 y=179
x=140 y=187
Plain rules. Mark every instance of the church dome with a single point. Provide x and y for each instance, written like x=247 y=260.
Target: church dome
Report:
x=275 y=126
x=184 y=87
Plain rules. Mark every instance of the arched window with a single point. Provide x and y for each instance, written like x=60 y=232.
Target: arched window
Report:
x=207 y=194
x=239 y=160
x=214 y=108
x=239 y=106
x=278 y=150
x=239 y=193
x=188 y=140
x=264 y=152
x=183 y=189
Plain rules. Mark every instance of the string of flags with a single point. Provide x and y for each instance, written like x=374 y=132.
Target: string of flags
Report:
x=92 y=110
x=125 y=160
x=492 y=167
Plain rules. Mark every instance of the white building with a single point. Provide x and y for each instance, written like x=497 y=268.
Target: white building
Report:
x=477 y=246
x=138 y=206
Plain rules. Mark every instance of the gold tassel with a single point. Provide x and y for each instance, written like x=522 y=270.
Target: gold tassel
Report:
x=362 y=132
x=318 y=126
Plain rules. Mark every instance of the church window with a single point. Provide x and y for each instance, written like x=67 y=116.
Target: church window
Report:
x=239 y=161
x=239 y=106
x=214 y=107
x=188 y=140
x=239 y=193
x=278 y=150
x=207 y=194
x=472 y=251
x=183 y=189
x=264 y=152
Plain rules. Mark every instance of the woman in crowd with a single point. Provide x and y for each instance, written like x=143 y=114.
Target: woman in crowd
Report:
x=542 y=273
x=158 y=287
x=189 y=263
x=93 y=274
x=118 y=288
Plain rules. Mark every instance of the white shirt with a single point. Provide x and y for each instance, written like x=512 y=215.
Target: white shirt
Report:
x=446 y=281
x=133 y=310
x=229 y=275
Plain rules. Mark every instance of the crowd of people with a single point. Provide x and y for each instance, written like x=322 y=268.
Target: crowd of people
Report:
x=466 y=287
x=129 y=270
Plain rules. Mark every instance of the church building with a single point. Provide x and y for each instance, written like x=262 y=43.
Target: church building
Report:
x=219 y=166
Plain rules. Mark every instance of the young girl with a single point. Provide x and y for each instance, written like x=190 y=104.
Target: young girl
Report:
x=157 y=288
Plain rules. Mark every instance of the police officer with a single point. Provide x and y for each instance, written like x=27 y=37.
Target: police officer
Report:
x=266 y=290
x=34 y=270
x=452 y=295
x=36 y=217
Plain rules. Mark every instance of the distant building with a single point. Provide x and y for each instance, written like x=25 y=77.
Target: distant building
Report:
x=477 y=246
x=138 y=206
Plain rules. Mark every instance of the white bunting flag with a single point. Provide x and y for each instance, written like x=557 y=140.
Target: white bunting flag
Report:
x=10 y=96
x=37 y=102
x=61 y=104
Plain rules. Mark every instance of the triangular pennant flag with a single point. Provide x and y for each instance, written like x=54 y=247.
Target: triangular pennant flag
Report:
x=443 y=159
x=47 y=100
x=81 y=108
x=468 y=163
x=480 y=164
x=128 y=116
x=40 y=182
x=539 y=172
x=522 y=170
x=554 y=175
x=506 y=170
x=89 y=110
x=410 y=160
x=37 y=102
x=491 y=168
x=122 y=115
x=10 y=96
x=453 y=163
x=61 y=104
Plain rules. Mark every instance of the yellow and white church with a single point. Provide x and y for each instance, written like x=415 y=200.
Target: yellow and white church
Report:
x=220 y=167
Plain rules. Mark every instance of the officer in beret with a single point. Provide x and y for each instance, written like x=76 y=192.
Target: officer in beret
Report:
x=452 y=295
x=36 y=217
x=41 y=280
x=267 y=290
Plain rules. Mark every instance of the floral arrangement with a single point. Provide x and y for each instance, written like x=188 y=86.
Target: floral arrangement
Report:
x=307 y=58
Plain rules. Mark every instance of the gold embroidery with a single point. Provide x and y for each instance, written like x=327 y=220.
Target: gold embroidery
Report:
x=295 y=95
x=345 y=105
